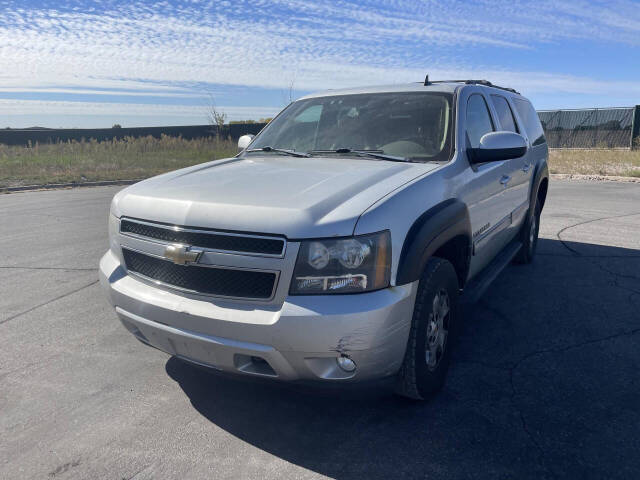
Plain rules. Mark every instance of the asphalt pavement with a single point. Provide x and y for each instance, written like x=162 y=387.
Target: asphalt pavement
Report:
x=544 y=383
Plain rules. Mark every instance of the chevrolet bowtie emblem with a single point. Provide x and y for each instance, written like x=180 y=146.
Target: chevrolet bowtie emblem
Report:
x=181 y=254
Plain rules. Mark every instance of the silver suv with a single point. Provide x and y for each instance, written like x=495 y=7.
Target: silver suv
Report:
x=341 y=242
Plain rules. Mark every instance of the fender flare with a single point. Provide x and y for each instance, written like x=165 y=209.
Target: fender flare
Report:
x=542 y=172
x=435 y=227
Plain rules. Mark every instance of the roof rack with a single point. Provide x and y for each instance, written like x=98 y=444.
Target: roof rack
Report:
x=486 y=83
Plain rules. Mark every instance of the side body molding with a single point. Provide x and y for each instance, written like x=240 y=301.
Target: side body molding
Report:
x=431 y=231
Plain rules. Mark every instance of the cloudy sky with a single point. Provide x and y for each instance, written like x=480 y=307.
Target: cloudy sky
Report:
x=84 y=63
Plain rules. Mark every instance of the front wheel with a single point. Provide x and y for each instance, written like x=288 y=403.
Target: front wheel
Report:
x=433 y=330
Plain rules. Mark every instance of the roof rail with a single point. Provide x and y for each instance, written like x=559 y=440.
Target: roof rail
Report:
x=486 y=83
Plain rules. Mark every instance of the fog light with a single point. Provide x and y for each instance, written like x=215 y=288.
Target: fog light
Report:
x=346 y=364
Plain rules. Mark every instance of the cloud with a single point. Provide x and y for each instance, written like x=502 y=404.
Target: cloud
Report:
x=56 y=107
x=267 y=42
x=105 y=92
x=136 y=48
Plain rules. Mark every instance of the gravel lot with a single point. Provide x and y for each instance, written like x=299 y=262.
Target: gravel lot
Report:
x=544 y=383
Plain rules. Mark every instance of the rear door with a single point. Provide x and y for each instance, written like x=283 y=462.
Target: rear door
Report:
x=532 y=130
x=519 y=168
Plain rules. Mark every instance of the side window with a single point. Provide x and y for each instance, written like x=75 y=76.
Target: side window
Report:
x=478 y=119
x=505 y=115
x=531 y=121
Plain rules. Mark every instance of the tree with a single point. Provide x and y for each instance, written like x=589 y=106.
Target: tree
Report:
x=215 y=116
x=116 y=125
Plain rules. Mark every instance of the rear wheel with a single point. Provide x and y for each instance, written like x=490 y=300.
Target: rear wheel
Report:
x=529 y=237
x=433 y=330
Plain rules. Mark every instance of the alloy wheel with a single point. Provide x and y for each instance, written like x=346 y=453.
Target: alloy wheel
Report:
x=437 y=329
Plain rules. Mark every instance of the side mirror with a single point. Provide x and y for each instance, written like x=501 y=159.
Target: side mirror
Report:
x=495 y=146
x=244 y=141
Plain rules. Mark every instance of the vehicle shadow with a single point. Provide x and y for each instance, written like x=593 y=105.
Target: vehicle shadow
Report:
x=523 y=399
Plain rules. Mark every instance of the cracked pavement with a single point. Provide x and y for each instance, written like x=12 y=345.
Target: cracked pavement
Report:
x=544 y=381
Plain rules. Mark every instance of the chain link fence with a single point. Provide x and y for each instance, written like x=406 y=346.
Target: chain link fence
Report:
x=588 y=128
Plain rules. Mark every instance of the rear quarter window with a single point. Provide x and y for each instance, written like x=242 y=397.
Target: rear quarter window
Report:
x=531 y=121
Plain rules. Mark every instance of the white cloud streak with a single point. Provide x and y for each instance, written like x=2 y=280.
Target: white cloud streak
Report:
x=159 y=47
x=56 y=107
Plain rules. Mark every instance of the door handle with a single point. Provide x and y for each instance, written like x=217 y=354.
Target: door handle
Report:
x=526 y=168
x=505 y=179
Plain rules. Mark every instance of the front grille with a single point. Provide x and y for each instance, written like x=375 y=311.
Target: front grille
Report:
x=206 y=280
x=205 y=239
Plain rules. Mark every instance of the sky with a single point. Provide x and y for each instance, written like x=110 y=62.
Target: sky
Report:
x=84 y=63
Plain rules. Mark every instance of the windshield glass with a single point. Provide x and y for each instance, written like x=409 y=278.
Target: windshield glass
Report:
x=415 y=125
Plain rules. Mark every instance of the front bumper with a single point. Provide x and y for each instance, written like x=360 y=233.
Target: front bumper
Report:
x=299 y=339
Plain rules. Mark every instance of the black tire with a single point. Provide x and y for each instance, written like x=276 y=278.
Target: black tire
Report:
x=417 y=379
x=529 y=238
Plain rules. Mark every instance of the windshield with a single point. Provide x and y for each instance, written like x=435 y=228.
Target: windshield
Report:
x=414 y=125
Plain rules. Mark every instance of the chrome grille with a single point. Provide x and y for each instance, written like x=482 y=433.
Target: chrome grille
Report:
x=207 y=239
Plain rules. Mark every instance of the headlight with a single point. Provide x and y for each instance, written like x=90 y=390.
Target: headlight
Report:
x=343 y=265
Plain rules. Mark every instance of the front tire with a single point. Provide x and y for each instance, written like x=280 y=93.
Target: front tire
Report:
x=433 y=332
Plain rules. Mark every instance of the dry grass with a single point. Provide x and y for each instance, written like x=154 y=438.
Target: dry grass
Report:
x=623 y=163
x=129 y=158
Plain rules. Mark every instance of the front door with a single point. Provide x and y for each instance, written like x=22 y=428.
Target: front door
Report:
x=489 y=191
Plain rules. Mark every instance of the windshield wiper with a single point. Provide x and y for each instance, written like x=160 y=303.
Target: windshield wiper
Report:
x=293 y=153
x=365 y=153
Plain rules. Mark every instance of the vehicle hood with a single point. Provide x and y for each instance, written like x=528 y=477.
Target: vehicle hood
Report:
x=295 y=197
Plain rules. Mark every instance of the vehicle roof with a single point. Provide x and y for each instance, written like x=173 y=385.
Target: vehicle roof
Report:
x=447 y=87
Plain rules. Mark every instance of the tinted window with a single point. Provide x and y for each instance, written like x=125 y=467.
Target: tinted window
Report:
x=478 y=119
x=414 y=125
x=531 y=121
x=505 y=115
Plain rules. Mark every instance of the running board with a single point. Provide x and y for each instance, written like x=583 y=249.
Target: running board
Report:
x=479 y=284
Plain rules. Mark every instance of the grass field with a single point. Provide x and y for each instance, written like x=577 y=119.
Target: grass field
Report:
x=129 y=158
x=623 y=163
x=133 y=158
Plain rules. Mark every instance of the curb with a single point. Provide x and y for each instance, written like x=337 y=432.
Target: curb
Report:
x=56 y=186
x=594 y=178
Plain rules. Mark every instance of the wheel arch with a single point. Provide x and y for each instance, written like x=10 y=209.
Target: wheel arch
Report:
x=540 y=185
x=542 y=191
x=443 y=231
